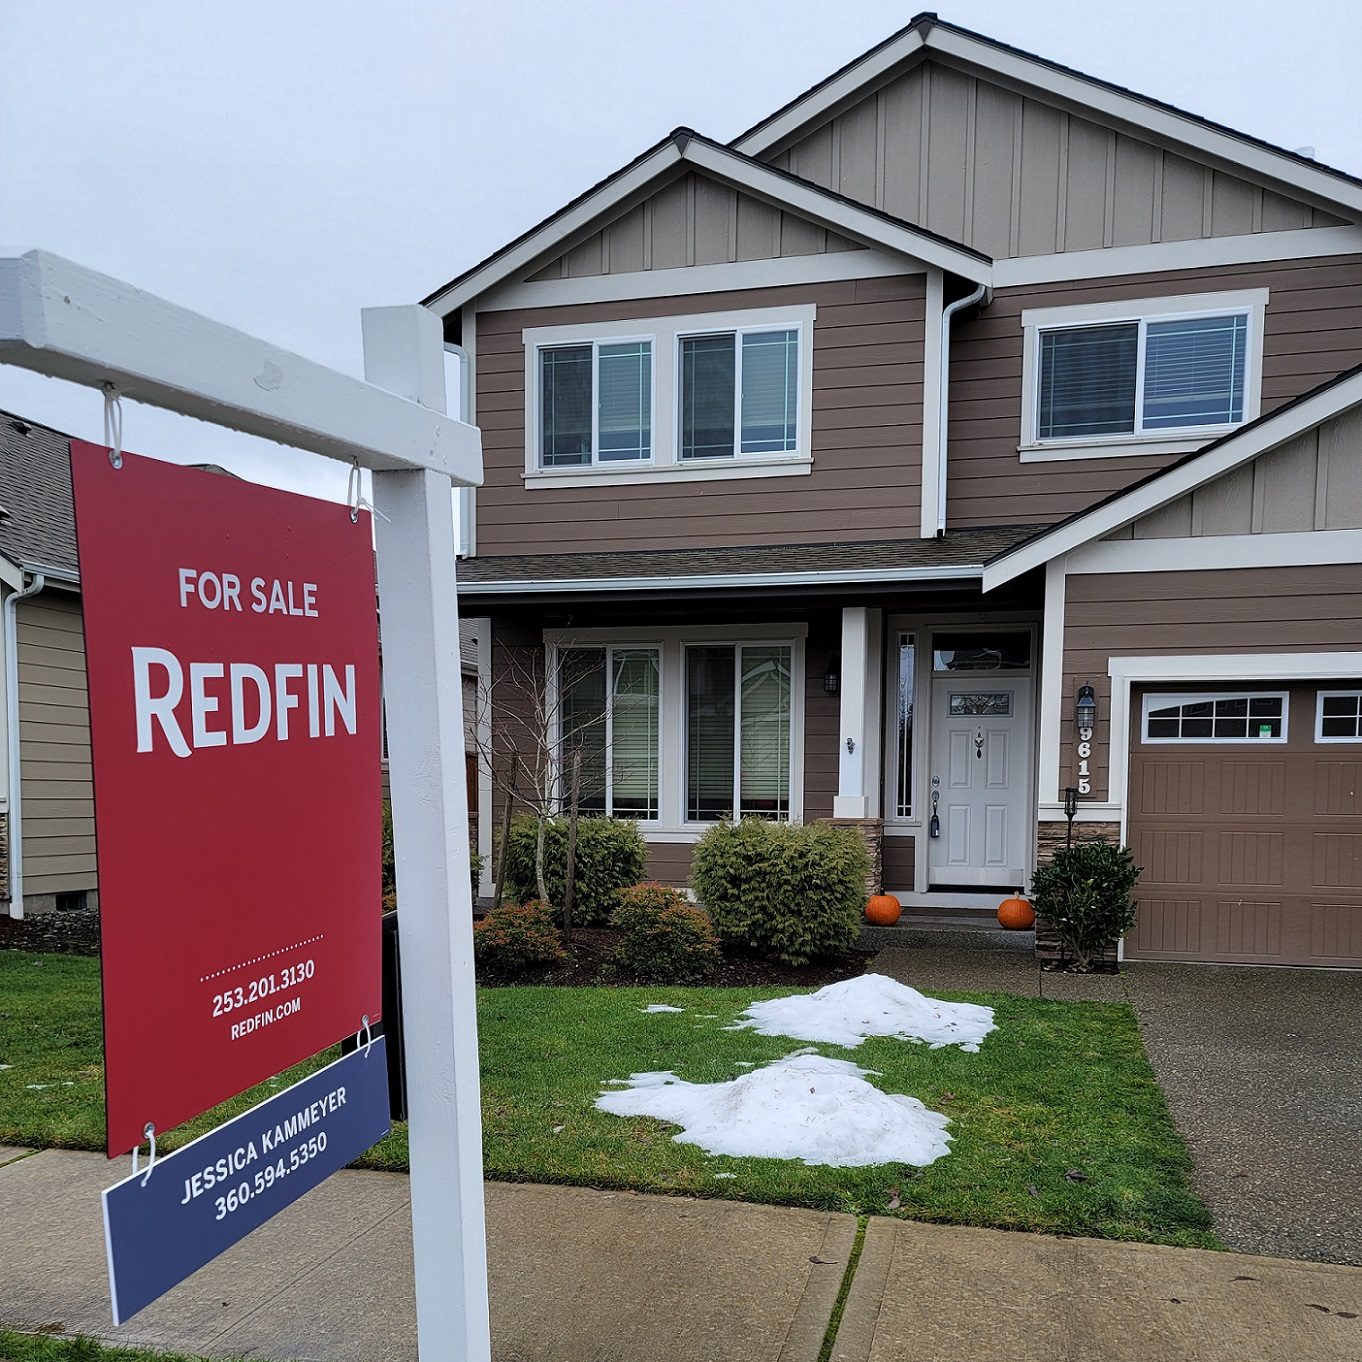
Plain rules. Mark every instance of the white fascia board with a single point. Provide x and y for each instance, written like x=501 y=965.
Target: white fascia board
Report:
x=1223 y=458
x=66 y=321
x=1294 y=548
x=1304 y=243
x=828 y=209
x=719 y=580
x=11 y=573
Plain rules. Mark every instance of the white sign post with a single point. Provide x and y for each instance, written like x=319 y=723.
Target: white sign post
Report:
x=69 y=322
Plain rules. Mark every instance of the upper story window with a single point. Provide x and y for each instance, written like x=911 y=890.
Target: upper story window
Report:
x=1157 y=375
x=711 y=395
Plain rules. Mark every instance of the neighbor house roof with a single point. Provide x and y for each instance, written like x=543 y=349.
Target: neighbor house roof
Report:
x=957 y=555
x=926 y=34
x=687 y=149
x=1166 y=485
x=37 y=529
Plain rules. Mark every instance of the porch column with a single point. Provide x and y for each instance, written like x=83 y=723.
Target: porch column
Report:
x=858 y=753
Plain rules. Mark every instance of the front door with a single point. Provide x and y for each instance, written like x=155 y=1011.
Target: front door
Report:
x=979 y=788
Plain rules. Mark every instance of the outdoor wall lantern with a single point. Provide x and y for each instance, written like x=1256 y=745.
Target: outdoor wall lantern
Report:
x=1085 y=712
x=832 y=678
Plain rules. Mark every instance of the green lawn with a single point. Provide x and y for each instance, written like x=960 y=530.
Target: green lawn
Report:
x=1059 y=1124
x=15 y=1347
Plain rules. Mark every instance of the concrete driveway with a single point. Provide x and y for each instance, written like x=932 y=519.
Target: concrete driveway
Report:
x=1263 y=1073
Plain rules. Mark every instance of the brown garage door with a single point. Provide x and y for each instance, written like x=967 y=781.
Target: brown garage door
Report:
x=1251 y=848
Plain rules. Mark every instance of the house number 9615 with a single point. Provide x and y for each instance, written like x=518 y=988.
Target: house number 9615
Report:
x=1084 y=752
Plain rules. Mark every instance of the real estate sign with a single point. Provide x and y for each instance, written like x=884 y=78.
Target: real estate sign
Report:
x=231 y=643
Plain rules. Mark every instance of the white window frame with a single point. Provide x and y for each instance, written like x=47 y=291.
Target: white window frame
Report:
x=665 y=333
x=595 y=343
x=1250 y=303
x=1166 y=699
x=555 y=652
x=671 y=824
x=1323 y=695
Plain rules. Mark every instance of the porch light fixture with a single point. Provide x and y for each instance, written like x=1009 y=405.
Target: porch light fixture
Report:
x=1085 y=711
x=832 y=677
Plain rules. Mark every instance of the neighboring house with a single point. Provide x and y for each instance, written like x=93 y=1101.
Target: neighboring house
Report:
x=858 y=453
x=46 y=788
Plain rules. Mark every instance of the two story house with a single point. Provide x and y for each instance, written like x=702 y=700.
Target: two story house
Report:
x=968 y=439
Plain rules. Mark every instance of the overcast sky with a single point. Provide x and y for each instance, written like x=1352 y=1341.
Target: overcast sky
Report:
x=279 y=164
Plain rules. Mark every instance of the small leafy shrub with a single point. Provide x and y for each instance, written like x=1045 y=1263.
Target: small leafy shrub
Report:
x=517 y=938
x=389 y=860
x=783 y=890
x=665 y=940
x=611 y=855
x=1085 y=890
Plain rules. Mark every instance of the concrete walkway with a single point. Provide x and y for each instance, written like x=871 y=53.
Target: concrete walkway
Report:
x=1262 y=1069
x=617 y=1277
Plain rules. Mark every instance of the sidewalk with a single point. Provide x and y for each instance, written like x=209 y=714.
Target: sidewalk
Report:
x=613 y=1277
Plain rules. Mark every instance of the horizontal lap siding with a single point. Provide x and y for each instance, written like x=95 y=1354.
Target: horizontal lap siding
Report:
x=54 y=747
x=866 y=436
x=1312 y=331
x=1250 y=610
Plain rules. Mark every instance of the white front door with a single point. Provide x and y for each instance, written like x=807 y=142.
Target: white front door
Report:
x=979 y=786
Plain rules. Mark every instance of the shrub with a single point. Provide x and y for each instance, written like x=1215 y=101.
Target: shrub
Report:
x=611 y=855
x=390 y=863
x=665 y=940
x=784 y=890
x=517 y=937
x=1085 y=890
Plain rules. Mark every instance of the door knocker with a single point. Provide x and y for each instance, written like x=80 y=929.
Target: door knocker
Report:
x=979 y=744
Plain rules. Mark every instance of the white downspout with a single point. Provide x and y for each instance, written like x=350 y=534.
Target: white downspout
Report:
x=16 y=798
x=464 y=494
x=981 y=294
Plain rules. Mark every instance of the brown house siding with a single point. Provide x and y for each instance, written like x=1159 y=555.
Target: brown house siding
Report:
x=54 y=746
x=1249 y=610
x=866 y=436
x=1312 y=331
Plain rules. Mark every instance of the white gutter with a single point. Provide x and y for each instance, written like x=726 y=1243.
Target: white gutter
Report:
x=16 y=801
x=980 y=294
x=823 y=577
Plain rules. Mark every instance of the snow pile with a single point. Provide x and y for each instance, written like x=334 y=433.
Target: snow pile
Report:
x=661 y=1007
x=871 y=1005
x=802 y=1107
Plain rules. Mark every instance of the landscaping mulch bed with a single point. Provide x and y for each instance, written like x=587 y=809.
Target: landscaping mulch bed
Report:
x=66 y=933
x=591 y=962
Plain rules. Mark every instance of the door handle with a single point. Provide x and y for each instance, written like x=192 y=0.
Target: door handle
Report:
x=934 y=826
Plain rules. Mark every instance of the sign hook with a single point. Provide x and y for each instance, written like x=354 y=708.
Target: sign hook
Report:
x=149 y=1131
x=113 y=424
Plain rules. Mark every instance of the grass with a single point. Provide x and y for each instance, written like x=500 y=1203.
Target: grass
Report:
x=16 y=1347
x=1059 y=1123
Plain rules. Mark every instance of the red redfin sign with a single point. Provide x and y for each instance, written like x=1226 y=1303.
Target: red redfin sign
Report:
x=231 y=640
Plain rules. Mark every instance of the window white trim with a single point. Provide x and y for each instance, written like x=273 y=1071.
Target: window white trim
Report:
x=671 y=824
x=1323 y=695
x=665 y=334
x=1168 y=700
x=1250 y=303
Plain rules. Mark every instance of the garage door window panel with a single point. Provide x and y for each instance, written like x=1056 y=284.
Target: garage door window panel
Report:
x=1338 y=716
x=1243 y=717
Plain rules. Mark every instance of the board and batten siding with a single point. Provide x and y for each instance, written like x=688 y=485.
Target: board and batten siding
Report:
x=866 y=444
x=1011 y=175
x=694 y=220
x=1312 y=332
x=1306 y=609
x=1313 y=482
x=54 y=747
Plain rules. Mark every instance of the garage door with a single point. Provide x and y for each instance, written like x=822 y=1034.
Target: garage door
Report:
x=1246 y=813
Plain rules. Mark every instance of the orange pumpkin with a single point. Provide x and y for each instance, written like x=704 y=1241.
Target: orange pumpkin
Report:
x=883 y=910
x=1016 y=914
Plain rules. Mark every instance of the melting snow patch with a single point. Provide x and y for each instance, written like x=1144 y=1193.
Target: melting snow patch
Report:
x=802 y=1107
x=661 y=1007
x=871 y=1005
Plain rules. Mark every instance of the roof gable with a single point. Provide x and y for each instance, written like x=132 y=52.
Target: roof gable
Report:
x=1063 y=89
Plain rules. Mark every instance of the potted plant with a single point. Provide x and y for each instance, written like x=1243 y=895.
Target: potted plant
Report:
x=1085 y=892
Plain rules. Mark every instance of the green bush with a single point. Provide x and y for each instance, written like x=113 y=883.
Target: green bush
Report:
x=1085 y=890
x=611 y=855
x=516 y=938
x=786 y=891
x=390 y=863
x=666 y=939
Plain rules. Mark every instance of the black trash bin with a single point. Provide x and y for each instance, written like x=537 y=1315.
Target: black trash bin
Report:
x=391 y=1025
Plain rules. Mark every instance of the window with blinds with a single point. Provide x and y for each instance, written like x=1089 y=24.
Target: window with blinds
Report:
x=608 y=724
x=595 y=403
x=739 y=393
x=1142 y=376
x=738 y=731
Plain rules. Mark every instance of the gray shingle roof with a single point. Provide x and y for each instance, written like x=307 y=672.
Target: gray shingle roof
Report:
x=38 y=529
x=959 y=548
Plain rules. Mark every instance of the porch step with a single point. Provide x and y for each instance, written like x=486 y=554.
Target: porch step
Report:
x=950 y=919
